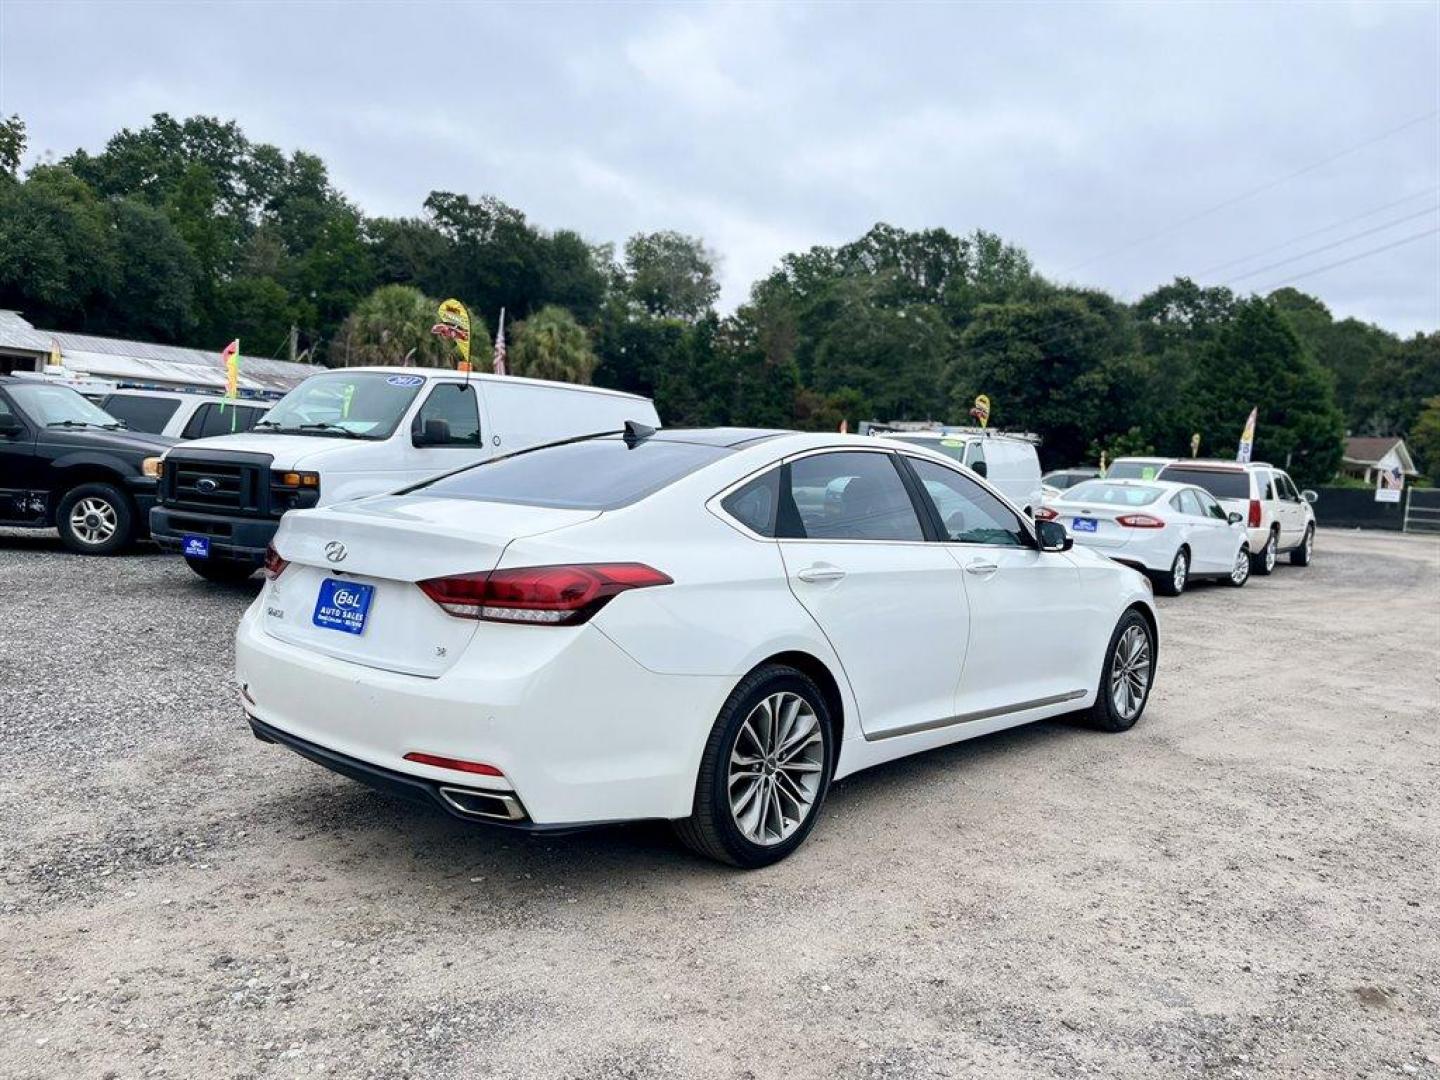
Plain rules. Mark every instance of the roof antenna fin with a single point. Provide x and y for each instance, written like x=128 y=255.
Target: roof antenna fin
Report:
x=636 y=433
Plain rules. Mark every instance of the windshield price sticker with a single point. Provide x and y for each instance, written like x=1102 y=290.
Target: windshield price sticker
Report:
x=404 y=380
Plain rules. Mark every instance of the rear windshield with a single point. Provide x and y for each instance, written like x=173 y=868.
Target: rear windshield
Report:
x=595 y=474
x=1222 y=483
x=951 y=448
x=1098 y=491
x=1133 y=470
x=141 y=413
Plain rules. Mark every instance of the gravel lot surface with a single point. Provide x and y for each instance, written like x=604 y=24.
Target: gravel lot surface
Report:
x=1247 y=884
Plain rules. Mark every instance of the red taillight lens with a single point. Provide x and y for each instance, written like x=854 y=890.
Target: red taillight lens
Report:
x=477 y=767
x=547 y=595
x=1254 y=513
x=274 y=564
x=1139 y=521
x=1046 y=514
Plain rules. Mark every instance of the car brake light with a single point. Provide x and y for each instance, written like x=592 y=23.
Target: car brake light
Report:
x=477 y=767
x=274 y=564
x=1046 y=514
x=546 y=595
x=1139 y=521
x=1254 y=513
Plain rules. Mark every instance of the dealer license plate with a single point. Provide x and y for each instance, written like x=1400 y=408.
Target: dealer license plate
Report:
x=1084 y=525
x=343 y=605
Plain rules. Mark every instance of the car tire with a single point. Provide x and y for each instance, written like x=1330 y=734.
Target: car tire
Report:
x=1240 y=572
x=1302 y=555
x=222 y=571
x=1107 y=714
x=1172 y=582
x=723 y=827
x=95 y=519
x=1263 y=561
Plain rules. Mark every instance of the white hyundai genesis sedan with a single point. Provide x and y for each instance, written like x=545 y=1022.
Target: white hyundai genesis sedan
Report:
x=706 y=626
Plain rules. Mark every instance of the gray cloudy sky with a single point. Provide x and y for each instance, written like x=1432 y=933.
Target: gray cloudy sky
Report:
x=1071 y=129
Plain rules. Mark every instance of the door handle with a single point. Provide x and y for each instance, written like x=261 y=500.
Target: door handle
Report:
x=981 y=568
x=820 y=572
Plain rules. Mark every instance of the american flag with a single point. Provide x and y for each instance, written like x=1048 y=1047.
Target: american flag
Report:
x=497 y=362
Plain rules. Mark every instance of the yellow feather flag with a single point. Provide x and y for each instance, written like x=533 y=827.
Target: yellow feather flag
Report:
x=231 y=356
x=55 y=360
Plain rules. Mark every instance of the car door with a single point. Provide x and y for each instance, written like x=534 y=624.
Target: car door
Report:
x=18 y=464
x=1226 y=537
x=1291 y=512
x=891 y=603
x=1028 y=612
x=1202 y=532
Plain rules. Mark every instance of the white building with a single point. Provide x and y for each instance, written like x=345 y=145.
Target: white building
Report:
x=85 y=357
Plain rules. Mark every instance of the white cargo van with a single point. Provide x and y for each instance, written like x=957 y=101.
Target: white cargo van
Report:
x=354 y=432
x=1009 y=461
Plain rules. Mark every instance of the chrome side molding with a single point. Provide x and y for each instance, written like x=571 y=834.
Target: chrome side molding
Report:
x=971 y=717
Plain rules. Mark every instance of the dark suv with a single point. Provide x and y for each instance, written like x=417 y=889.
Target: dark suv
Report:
x=67 y=463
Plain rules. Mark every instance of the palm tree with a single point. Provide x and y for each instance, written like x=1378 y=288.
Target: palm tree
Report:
x=392 y=326
x=552 y=345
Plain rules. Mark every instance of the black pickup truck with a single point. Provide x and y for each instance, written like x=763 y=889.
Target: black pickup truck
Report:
x=68 y=464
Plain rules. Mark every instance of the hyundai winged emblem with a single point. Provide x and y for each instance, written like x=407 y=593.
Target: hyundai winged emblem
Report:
x=335 y=551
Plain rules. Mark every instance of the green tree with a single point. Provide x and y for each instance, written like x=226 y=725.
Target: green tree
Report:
x=670 y=275
x=392 y=326
x=1424 y=441
x=551 y=345
x=154 y=295
x=12 y=145
x=57 y=248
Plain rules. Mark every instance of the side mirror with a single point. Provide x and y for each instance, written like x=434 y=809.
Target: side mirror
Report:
x=436 y=432
x=1310 y=495
x=1052 y=536
x=980 y=469
x=1233 y=518
x=10 y=426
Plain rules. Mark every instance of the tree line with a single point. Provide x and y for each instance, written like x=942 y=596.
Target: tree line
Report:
x=185 y=231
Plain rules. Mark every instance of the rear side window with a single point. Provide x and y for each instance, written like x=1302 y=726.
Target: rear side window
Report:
x=594 y=474
x=1222 y=483
x=221 y=418
x=754 y=505
x=141 y=412
x=848 y=495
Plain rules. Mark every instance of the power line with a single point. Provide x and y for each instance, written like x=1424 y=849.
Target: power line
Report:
x=1333 y=244
x=1252 y=192
x=1355 y=258
x=1314 y=232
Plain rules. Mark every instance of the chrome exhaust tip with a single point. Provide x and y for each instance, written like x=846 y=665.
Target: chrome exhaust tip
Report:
x=493 y=805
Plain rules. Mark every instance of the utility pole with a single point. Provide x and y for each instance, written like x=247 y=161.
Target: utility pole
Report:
x=294 y=341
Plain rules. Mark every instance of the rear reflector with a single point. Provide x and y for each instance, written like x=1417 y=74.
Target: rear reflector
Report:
x=1139 y=521
x=477 y=767
x=544 y=595
x=1046 y=514
x=274 y=564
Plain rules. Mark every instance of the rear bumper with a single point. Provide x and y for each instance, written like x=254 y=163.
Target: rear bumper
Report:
x=582 y=733
x=238 y=539
x=410 y=788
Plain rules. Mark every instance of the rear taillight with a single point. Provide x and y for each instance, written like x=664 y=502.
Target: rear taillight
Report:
x=274 y=564
x=1046 y=514
x=1139 y=521
x=1254 y=513
x=546 y=595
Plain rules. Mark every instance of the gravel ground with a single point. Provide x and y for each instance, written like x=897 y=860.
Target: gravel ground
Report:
x=1245 y=885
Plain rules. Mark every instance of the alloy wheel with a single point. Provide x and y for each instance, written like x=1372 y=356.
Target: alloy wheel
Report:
x=1309 y=543
x=1130 y=671
x=776 y=764
x=1270 y=549
x=93 y=521
x=1241 y=570
x=1179 y=572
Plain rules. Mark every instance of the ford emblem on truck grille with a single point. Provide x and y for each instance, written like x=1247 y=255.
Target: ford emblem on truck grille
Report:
x=209 y=485
x=335 y=551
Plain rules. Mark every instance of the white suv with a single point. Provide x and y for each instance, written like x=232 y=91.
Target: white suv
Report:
x=1278 y=515
x=1009 y=461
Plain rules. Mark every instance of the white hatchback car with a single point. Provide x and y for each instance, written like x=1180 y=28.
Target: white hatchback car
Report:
x=703 y=626
x=1173 y=532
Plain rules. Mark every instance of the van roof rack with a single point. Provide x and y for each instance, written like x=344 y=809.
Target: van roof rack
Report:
x=931 y=427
